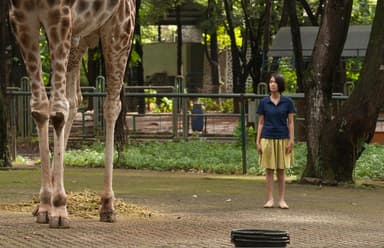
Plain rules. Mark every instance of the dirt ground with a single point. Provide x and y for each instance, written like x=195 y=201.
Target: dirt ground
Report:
x=196 y=210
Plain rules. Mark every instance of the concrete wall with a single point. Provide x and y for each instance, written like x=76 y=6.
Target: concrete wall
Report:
x=161 y=59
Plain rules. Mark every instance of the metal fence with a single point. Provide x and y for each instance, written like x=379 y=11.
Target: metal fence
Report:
x=177 y=124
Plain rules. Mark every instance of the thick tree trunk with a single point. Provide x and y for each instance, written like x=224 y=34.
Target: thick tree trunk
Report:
x=344 y=137
x=4 y=79
x=318 y=88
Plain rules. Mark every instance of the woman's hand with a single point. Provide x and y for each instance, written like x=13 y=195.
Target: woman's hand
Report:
x=289 y=147
x=258 y=148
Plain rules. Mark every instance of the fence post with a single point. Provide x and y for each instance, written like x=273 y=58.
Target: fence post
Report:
x=98 y=107
x=348 y=88
x=175 y=108
x=25 y=123
x=243 y=134
x=184 y=100
x=13 y=123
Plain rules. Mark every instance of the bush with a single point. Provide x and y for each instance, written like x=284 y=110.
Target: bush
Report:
x=212 y=157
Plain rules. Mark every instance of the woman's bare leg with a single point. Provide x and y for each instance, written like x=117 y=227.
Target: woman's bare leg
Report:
x=281 y=181
x=269 y=180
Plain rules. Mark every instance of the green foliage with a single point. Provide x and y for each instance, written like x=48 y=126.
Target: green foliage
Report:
x=363 y=12
x=212 y=157
x=250 y=133
x=287 y=69
x=224 y=106
x=352 y=67
x=45 y=57
x=371 y=163
x=165 y=105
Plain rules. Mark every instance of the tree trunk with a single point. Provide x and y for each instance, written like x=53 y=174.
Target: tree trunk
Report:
x=236 y=67
x=4 y=79
x=179 y=43
x=309 y=12
x=318 y=88
x=267 y=38
x=139 y=66
x=213 y=54
x=214 y=62
x=296 y=41
x=339 y=78
x=93 y=71
x=343 y=139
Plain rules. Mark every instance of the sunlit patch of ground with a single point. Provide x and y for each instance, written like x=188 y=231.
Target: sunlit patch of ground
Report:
x=83 y=204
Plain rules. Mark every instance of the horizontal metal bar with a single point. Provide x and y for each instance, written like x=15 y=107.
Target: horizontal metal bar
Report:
x=190 y=95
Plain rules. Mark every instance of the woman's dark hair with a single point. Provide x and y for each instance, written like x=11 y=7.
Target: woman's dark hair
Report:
x=279 y=80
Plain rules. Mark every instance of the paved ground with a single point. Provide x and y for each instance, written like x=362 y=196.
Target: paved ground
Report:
x=200 y=210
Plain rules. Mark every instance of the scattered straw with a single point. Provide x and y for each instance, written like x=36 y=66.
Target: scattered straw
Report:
x=84 y=204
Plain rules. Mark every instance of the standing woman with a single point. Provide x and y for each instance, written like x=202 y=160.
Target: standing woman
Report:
x=275 y=137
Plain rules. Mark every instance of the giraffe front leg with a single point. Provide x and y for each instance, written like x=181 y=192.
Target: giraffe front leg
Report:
x=59 y=215
x=43 y=210
x=27 y=35
x=112 y=107
x=59 y=47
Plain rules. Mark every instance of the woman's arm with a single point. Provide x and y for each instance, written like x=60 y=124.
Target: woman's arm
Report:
x=260 y=126
x=291 y=129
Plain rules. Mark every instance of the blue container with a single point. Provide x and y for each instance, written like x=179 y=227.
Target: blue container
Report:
x=197 y=122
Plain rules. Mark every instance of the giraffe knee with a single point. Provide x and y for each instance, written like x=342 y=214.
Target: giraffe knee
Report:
x=59 y=114
x=112 y=109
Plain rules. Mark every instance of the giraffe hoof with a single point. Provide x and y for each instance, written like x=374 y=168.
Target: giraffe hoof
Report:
x=108 y=216
x=59 y=222
x=42 y=217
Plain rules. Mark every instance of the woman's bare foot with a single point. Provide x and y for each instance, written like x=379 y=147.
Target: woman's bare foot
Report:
x=283 y=205
x=269 y=204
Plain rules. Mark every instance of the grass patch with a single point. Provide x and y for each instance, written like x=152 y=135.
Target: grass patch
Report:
x=211 y=157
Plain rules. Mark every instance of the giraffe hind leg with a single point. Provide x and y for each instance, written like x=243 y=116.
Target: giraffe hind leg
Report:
x=116 y=38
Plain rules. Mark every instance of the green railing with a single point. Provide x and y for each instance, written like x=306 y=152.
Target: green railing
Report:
x=22 y=122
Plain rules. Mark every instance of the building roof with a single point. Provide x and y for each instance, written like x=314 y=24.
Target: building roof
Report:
x=190 y=14
x=355 y=45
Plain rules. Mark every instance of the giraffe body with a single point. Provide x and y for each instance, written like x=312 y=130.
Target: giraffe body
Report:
x=71 y=27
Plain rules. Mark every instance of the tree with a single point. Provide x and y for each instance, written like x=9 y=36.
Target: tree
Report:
x=296 y=41
x=4 y=79
x=210 y=28
x=343 y=139
x=318 y=86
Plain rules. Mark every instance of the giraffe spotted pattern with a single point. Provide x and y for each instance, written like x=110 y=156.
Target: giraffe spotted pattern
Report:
x=72 y=26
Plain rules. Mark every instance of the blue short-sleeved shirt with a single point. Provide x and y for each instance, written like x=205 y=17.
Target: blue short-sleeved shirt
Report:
x=275 y=117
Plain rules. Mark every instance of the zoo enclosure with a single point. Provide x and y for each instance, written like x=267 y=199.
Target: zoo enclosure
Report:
x=92 y=122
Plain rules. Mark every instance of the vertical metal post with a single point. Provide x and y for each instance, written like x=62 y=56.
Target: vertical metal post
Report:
x=175 y=110
x=98 y=107
x=185 y=118
x=243 y=134
x=26 y=123
x=184 y=101
x=13 y=124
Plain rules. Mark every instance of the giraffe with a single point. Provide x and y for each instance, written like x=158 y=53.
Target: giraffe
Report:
x=71 y=26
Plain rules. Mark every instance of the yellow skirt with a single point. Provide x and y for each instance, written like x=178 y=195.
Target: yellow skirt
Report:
x=274 y=155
